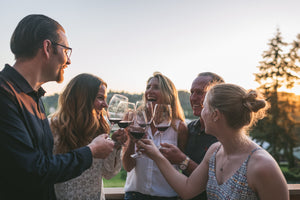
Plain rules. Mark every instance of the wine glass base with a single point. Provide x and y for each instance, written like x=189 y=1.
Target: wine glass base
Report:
x=137 y=155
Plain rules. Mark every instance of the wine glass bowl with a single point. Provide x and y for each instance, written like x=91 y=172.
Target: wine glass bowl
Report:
x=139 y=126
x=124 y=124
x=162 y=118
x=148 y=111
x=116 y=99
x=122 y=114
x=137 y=132
x=126 y=111
x=112 y=110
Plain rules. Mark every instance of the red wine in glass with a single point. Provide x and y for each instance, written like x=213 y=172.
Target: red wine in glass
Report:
x=162 y=118
x=124 y=124
x=143 y=125
x=137 y=134
x=114 y=120
x=162 y=128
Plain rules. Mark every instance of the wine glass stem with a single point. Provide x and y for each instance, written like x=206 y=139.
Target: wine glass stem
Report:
x=159 y=145
x=112 y=125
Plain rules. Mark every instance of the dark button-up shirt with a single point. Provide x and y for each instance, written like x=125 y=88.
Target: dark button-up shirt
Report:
x=197 y=145
x=28 y=168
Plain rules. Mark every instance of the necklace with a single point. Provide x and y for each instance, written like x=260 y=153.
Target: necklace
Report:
x=221 y=169
x=223 y=164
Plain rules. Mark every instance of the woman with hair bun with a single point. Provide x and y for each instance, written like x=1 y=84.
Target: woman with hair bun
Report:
x=235 y=167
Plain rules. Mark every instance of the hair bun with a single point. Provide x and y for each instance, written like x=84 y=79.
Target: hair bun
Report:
x=251 y=102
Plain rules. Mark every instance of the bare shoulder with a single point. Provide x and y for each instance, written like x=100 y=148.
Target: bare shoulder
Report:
x=264 y=172
x=211 y=150
x=182 y=127
x=213 y=147
x=262 y=163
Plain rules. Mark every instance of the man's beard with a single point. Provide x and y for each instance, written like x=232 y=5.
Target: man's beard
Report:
x=60 y=76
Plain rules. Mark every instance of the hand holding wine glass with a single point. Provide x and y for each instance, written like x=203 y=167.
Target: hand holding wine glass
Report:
x=162 y=118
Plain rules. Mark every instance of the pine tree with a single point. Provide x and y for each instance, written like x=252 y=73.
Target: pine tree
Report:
x=277 y=70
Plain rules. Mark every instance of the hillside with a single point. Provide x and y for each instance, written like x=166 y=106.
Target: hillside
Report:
x=50 y=102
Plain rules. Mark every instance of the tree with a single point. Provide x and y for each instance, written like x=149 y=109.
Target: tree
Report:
x=277 y=70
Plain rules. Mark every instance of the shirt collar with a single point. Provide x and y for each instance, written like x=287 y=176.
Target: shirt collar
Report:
x=197 y=123
x=20 y=81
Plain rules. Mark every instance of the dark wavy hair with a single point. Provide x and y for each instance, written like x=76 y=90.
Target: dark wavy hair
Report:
x=75 y=124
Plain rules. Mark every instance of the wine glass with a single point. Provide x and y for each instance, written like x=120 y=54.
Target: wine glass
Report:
x=148 y=109
x=112 y=108
x=138 y=127
x=162 y=118
x=126 y=111
x=124 y=115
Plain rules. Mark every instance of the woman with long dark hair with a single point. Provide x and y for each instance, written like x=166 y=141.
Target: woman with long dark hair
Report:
x=79 y=119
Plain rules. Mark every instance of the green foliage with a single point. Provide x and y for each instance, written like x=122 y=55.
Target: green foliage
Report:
x=123 y=174
x=291 y=175
x=116 y=181
x=50 y=102
x=184 y=98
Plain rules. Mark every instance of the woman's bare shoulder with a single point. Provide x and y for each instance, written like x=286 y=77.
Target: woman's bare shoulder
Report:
x=211 y=150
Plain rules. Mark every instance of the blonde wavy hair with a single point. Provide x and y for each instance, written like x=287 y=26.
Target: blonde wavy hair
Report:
x=169 y=96
x=75 y=123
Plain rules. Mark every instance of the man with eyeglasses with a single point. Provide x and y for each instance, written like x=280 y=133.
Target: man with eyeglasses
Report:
x=28 y=168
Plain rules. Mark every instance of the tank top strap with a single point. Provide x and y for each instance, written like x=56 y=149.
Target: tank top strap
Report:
x=212 y=162
x=216 y=151
x=249 y=156
x=219 y=147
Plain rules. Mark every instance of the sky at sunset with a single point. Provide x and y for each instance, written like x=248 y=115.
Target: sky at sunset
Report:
x=125 y=41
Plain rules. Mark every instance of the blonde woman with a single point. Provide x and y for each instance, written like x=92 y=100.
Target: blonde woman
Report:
x=79 y=119
x=144 y=179
x=235 y=167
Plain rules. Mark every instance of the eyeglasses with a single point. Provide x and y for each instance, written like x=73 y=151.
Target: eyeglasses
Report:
x=68 y=50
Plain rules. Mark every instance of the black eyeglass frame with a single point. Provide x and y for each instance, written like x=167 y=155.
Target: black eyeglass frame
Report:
x=68 y=48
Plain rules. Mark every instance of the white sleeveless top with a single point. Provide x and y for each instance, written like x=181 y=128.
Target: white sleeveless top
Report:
x=146 y=177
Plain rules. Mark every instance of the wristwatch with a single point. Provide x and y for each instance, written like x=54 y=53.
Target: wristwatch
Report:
x=183 y=165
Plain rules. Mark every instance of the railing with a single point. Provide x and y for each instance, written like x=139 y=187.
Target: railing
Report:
x=294 y=190
x=118 y=193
